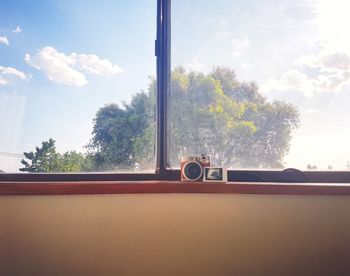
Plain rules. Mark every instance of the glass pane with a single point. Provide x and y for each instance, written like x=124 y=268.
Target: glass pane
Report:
x=261 y=84
x=77 y=86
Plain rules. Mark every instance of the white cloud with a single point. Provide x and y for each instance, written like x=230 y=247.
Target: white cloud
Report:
x=92 y=64
x=337 y=60
x=294 y=80
x=291 y=80
x=326 y=61
x=333 y=81
x=10 y=71
x=308 y=60
x=330 y=72
x=67 y=69
x=57 y=66
x=17 y=30
x=4 y=40
x=333 y=68
x=328 y=69
x=194 y=65
x=3 y=81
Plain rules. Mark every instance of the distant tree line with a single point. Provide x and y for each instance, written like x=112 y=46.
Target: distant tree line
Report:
x=46 y=159
x=208 y=113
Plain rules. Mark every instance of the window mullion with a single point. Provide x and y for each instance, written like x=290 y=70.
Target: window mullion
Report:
x=163 y=80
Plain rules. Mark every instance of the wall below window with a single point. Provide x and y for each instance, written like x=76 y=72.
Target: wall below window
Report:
x=175 y=234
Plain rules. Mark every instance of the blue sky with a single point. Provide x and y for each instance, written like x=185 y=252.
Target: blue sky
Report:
x=62 y=60
x=81 y=55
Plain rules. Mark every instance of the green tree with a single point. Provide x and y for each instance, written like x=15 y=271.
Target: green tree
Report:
x=208 y=113
x=232 y=121
x=72 y=161
x=123 y=136
x=46 y=159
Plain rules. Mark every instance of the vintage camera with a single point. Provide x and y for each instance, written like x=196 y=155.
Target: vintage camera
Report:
x=192 y=167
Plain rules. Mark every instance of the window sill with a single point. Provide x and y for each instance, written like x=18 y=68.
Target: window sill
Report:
x=151 y=187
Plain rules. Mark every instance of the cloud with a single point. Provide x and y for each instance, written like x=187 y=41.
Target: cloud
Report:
x=333 y=68
x=338 y=60
x=12 y=71
x=326 y=61
x=308 y=60
x=326 y=71
x=290 y=81
x=57 y=66
x=295 y=80
x=4 y=40
x=194 y=65
x=3 y=81
x=92 y=64
x=17 y=30
x=67 y=69
x=6 y=71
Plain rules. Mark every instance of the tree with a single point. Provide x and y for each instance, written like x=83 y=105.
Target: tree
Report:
x=46 y=159
x=124 y=136
x=232 y=121
x=72 y=161
x=208 y=113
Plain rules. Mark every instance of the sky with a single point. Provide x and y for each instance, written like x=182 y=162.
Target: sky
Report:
x=296 y=51
x=60 y=61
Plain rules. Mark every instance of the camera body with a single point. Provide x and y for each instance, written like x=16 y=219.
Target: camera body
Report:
x=192 y=167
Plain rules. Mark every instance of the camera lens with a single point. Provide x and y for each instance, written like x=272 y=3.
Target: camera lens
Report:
x=193 y=170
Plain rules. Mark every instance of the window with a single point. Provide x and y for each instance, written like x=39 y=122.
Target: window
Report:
x=260 y=86
x=77 y=81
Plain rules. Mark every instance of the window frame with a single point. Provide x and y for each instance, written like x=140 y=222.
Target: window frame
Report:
x=162 y=169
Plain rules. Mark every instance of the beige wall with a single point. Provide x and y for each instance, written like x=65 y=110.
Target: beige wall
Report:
x=174 y=234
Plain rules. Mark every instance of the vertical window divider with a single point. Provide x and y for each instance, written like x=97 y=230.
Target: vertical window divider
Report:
x=163 y=83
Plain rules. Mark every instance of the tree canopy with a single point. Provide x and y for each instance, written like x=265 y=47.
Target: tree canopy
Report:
x=230 y=120
x=210 y=113
x=46 y=159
